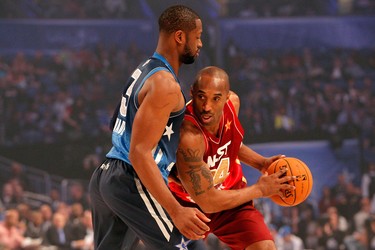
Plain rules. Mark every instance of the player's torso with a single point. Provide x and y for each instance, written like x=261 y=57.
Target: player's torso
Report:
x=222 y=151
x=220 y=154
x=165 y=151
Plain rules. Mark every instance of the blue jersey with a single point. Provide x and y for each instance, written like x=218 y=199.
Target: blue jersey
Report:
x=165 y=152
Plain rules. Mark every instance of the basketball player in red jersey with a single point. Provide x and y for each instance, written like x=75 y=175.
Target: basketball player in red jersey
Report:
x=208 y=172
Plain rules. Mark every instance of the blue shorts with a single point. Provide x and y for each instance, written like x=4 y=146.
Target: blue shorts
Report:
x=119 y=202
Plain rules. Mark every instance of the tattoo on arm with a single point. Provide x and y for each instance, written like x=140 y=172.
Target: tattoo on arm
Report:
x=207 y=174
x=195 y=179
x=192 y=156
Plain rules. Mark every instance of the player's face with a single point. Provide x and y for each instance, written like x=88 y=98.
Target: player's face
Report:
x=193 y=44
x=209 y=99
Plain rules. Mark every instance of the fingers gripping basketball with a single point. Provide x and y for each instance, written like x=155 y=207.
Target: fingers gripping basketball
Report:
x=303 y=181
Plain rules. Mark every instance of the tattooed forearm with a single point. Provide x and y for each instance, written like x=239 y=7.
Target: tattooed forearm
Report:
x=195 y=173
x=207 y=174
x=195 y=179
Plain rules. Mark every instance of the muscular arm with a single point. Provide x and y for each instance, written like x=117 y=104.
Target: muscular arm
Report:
x=197 y=179
x=158 y=101
x=252 y=158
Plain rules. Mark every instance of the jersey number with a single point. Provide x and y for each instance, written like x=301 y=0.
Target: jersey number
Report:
x=119 y=127
x=125 y=99
x=222 y=171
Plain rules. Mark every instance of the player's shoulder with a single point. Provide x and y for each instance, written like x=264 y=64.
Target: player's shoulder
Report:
x=188 y=126
x=163 y=80
x=191 y=131
x=234 y=100
x=163 y=86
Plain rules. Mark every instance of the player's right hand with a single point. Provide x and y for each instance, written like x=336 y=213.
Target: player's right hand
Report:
x=273 y=184
x=191 y=222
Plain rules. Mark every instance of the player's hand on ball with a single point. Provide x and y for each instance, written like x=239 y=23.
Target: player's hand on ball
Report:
x=269 y=160
x=270 y=185
x=303 y=182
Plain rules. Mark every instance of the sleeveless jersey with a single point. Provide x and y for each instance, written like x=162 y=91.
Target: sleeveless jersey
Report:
x=221 y=153
x=122 y=122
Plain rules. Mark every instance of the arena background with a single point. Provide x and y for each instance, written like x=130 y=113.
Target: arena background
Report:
x=305 y=72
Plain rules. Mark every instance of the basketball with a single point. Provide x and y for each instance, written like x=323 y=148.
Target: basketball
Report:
x=303 y=181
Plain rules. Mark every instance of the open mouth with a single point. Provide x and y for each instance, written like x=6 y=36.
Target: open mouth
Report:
x=206 y=118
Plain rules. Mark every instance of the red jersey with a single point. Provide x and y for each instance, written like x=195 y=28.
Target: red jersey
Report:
x=221 y=153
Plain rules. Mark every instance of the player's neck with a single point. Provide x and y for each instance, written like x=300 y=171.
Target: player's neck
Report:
x=213 y=130
x=170 y=54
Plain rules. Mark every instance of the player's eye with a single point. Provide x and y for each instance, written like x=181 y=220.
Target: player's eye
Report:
x=201 y=97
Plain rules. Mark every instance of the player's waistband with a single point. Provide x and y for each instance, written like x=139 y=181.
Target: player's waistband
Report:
x=118 y=162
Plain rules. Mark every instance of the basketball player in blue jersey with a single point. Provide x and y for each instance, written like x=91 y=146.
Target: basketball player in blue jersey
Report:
x=129 y=190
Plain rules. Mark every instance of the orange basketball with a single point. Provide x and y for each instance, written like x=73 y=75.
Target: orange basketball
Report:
x=303 y=181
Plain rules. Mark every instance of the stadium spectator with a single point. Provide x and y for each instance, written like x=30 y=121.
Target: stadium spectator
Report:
x=86 y=234
x=34 y=227
x=290 y=240
x=47 y=214
x=55 y=196
x=78 y=194
x=8 y=198
x=58 y=234
x=326 y=200
x=11 y=236
x=334 y=229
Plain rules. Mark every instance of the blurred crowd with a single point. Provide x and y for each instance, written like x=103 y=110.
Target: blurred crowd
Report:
x=53 y=223
x=122 y=9
x=292 y=8
x=307 y=94
x=62 y=97
x=80 y=9
x=289 y=95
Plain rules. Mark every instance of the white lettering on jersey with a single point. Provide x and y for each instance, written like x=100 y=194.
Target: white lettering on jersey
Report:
x=125 y=99
x=119 y=127
x=212 y=160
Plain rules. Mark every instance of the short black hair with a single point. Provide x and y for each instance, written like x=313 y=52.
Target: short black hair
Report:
x=178 y=17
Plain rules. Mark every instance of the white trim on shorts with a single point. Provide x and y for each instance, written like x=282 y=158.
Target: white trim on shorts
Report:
x=161 y=216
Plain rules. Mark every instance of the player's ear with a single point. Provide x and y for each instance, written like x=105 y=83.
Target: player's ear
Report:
x=179 y=36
